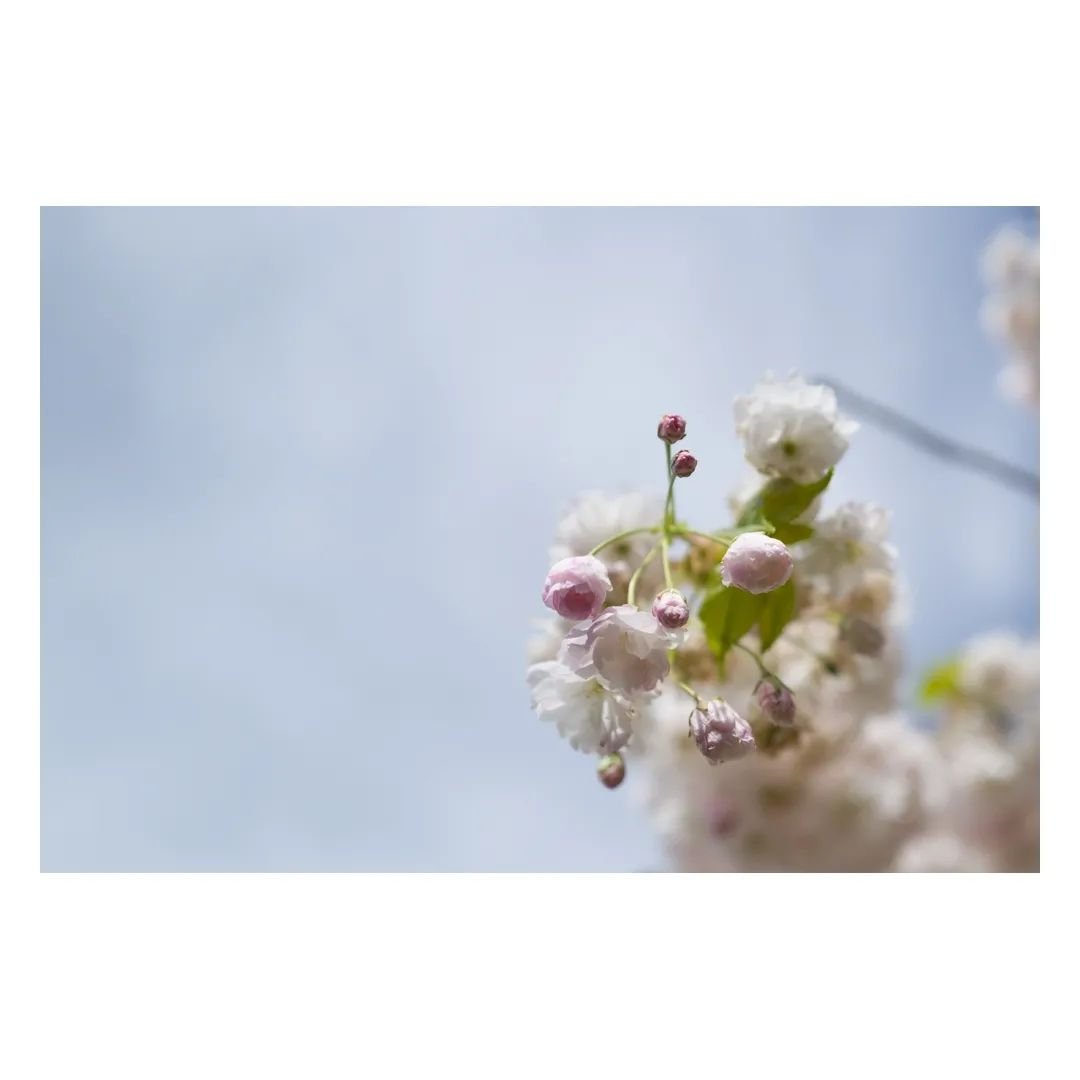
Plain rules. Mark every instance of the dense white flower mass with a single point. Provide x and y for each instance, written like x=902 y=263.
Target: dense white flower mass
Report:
x=989 y=744
x=792 y=429
x=1010 y=312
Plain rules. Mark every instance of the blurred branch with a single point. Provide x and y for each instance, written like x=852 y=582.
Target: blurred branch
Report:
x=948 y=449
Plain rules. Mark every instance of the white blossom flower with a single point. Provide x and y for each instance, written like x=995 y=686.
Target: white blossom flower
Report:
x=1011 y=312
x=847 y=546
x=625 y=648
x=793 y=429
x=1001 y=670
x=585 y=713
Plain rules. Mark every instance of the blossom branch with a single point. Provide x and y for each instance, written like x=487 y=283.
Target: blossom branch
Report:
x=934 y=443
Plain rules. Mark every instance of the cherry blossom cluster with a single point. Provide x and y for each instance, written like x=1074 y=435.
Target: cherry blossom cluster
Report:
x=649 y=613
x=1010 y=312
x=613 y=654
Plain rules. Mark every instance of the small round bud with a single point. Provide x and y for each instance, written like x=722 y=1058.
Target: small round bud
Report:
x=611 y=770
x=720 y=732
x=575 y=587
x=776 y=702
x=671 y=428
x=683 y=464
x=671 y=610
x=862 y=636
x=756 y=563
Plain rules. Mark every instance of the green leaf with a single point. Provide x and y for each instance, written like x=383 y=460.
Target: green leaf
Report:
x=777 y=611
x=728 y=614
x=940 y=682
x=781 y=500
x=791 y=532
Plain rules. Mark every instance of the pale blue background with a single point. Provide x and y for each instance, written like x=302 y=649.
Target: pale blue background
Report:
x=300 y=469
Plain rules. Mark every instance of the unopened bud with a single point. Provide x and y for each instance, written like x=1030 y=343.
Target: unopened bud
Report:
x=720 y=732
x=684 y=463
x=776 y=702
x=862 y=636
x=671 y=428
x=756 y=563
x=611 y=770
x=671 y=610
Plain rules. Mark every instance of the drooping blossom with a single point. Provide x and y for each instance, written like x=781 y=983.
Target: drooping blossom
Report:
x=588 y=715
x=720 y=732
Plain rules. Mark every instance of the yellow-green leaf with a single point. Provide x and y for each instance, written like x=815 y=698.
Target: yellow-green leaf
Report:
x=940 y=682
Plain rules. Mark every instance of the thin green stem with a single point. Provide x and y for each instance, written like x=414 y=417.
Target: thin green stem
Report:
x=669 y=504
x=750 y=652
x=763 y=671
x=682 y=530
x=691 y=691
x=622 y=536
x=631 y=590
x=669 y=519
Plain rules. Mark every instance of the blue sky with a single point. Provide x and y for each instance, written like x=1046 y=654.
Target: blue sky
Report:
x=300 y=469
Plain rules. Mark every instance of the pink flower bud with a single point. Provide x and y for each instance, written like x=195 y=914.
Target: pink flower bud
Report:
x=575 y=587
x=671 y=428
x=671 y=610
x=862 y=636
x=720 y=732
x=684 y=463
x=611 y=770
x=756 y=563
x=776 y=703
